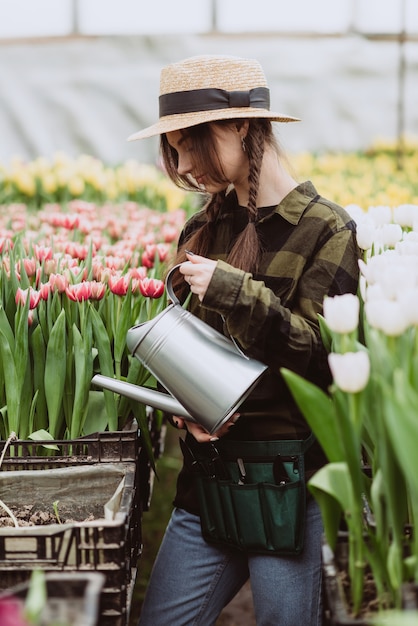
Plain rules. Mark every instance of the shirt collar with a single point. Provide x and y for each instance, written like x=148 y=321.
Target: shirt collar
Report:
x=292 y=207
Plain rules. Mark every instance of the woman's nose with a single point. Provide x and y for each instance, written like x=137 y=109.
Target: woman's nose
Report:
x=184 y=164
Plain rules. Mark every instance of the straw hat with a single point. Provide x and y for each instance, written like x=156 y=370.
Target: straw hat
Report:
x=209 y=88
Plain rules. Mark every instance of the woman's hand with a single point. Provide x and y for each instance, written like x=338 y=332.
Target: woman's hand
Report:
x=198 y=271
x=201 y=434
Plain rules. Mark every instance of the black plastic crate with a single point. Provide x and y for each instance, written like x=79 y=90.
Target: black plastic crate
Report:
x=103 y=447
x=111 y=547
x=72 y=599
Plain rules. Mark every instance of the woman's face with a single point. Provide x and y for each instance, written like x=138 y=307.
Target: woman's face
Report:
x=233 y=161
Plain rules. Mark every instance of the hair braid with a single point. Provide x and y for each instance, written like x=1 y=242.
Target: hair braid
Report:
x=246 y=250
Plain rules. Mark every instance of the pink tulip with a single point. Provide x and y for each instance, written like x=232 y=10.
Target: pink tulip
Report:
x=97 y=289
x=170 y=233
x=42 y=253
x=58 y=282
x=50 y=266
x=138 y=272
x=115 y=262
x=151 y=287
x=79 y=292
x=151 y=250
x=5 y=244
x=44 y=290
x=119 y=286
x=29 y=264
x=70 y=221
x=147 y=260
x=76 y=250
x=22 y=295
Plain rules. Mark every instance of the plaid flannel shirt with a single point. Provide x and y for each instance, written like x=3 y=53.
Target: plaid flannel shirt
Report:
x=309 y=252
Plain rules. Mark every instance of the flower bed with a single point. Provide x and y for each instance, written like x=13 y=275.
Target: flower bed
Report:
x=73 y=282
x=377 y=176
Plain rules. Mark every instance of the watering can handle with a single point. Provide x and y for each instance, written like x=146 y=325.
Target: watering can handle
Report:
x=175 y=300
x=169 y=286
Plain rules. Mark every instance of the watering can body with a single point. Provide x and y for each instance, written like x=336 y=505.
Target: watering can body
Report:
x=206 y=374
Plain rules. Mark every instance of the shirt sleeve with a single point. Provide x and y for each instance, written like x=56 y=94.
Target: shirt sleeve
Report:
x=279 y=335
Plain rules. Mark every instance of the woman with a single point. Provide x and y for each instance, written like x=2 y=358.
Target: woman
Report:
x=259 y=259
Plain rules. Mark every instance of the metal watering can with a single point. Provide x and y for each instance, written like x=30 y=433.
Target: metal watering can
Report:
x=206 y=374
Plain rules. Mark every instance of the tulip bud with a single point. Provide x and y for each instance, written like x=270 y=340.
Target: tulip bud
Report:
x=342 y=313
x=350 y=371
x=386 y=315
x=366 y=234
x=151 y=287
x=389 y=234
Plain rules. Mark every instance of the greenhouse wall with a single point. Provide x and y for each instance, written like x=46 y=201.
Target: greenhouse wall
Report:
x=82 y=76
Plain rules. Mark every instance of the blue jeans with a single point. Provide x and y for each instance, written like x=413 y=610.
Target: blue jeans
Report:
x=192 y=581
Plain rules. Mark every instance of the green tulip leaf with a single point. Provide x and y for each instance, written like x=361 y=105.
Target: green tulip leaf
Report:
x=102 y=343
x=332 y=489
x=43 y=435
x=401 y=420
x=11 y=385
x=39 y=357
x=83 y=365
x=55 y=371
x=326 y=334
x=6 y=328
x=318 y=411
x=97 y=419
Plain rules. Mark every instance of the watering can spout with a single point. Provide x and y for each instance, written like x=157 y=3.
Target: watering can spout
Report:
x=154 y=398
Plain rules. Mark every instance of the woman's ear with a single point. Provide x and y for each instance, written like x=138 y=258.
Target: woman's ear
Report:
x=242 y=128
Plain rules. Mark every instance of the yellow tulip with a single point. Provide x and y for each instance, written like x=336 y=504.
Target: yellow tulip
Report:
x=25 y=182
x=49 y=183
x=76 y=186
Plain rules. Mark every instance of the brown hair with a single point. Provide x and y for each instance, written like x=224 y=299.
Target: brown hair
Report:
x=246 y=249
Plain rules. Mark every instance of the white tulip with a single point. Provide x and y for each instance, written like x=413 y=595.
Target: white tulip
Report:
x=396 y=279
x=350 y=371
x=342 y=312
x=405 y=215
x=377 y=265
x=380 y=215
x=412 y=235
x=387 y=316
x=407 y=247
x=389 y=234
x=356 y=212
x=374 y=292
x=366 y=234
x=408 y=300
